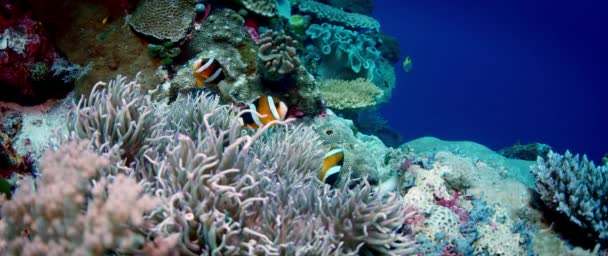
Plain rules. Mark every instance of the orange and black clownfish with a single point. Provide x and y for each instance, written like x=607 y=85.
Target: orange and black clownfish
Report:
x=332 y=165
x=208 y=71
x=270 y=109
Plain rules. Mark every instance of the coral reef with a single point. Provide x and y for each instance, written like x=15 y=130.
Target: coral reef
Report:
x=576 y=188
x=109 y=49
x=10 y=161
x=166 y=52
x=389 y=48
x=299 y=23
x=351 y=94
x=369 y=121
x=222 y=37
x=364 y=156
x=163 y=19
x=344 y=48
x=197 y=183
x=348 y=55
x=162 y=164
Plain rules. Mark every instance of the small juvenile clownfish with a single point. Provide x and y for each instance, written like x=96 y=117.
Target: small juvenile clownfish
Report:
x=208 y=71
x=332 y=165
x=270 y=109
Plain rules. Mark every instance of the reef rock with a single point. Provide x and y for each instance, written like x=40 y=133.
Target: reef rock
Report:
x=529 y=152
x=28 y=71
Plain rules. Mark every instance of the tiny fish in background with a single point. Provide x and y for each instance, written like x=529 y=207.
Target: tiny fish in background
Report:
x=208 y=71
x=332 y=165
x=270 y=109
x=407 y=64
x=105 y=20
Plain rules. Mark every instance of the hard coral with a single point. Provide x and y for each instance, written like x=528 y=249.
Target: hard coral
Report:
x=576 y=188
x=328 y=13
x=277 y=54
x=267 y=8
x=163 y=19
x=350 y=94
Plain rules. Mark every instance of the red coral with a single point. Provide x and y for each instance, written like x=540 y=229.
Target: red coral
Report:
x=10 y=161
x=15 y=64
x=406 y=165
x=452 y=204
x=415 y=218
x=251 y=27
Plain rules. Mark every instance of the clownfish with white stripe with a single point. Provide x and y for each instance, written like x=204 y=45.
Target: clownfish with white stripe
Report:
x=269 y=109
x=208 y=71
x=332 y=166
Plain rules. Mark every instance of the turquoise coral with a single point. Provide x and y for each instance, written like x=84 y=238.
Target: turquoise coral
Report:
x=576 y=188
x=347 y=54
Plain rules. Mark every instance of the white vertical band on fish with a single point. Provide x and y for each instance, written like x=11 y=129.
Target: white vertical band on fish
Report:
x=205 y=66
x=333 y=152
x=254 y=115
x=214 y=76
x=273 y=108
x=332 y=171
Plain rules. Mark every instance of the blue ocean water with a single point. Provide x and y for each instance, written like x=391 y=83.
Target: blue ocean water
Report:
x=501 y=72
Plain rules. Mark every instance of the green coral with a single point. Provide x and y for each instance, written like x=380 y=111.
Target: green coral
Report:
x=165 y=52
x=298 y=24
x=39 y=71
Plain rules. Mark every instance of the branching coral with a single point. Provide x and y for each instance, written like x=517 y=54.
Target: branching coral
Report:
x=576 y=188
x=350 y=94
x=277 y=54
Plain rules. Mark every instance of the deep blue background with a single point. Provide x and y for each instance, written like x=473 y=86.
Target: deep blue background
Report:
x=498 y=72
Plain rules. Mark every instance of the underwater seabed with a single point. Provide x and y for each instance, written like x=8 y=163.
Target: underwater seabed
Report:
x=140 y=135
x=460 y=194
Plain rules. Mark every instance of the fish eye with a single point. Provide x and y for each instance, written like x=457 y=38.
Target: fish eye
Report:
x=329 y=132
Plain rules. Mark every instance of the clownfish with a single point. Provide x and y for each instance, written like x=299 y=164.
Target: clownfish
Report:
x=208 y=71
x=332 y=165
x=269 y=108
